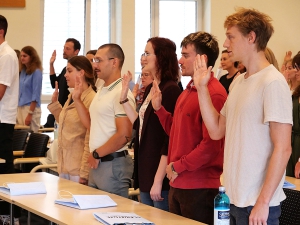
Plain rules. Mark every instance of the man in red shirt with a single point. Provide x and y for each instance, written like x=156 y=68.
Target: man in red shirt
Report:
x=195 y=161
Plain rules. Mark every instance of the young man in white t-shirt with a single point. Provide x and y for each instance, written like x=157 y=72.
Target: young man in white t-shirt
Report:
x=256 y=121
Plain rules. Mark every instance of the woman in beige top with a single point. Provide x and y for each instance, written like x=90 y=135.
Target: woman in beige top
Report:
x=73 y=136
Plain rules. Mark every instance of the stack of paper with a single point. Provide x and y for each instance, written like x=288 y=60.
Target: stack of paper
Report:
x=87 y=201
x=288 y=185
x=29 y=188
x=113 y=218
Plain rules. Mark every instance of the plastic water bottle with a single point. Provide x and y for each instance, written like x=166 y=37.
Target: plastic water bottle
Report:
x=55 y=129
x=221 y=208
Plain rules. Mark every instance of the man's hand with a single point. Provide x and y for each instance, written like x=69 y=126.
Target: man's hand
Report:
x=156 y=96
x=55 y=93
x=125 y=85
x=202 y=74
x=53 y=57
x=170 y=175
x=93 y=162
x=28 y=119
x=155 y=192
x=259 y=214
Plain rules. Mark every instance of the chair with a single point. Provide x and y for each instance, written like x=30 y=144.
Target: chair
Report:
x=19 y=139
x=36 y=148
x=290 y=208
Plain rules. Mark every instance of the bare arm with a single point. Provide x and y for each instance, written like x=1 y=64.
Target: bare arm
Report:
x=281 y=138
x=215 y=122
x=2 y=90
x=117 y=141
x=155 y=191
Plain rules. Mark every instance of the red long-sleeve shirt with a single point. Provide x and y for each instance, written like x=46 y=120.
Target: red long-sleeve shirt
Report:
x=197 y=158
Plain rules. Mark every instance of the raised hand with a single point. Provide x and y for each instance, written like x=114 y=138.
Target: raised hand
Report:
x=53 y=57
x=202 y=74
x=156 y=96
x=55 y=93
x=78 y=89
x=135 y=90
x=288 y=56
x=125 y=85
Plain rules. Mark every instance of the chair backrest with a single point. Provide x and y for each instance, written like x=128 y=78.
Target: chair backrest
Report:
x=36 y=147
x=19 y=139
x=290 y=208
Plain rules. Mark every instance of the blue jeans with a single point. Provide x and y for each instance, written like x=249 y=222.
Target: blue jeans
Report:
x=164 y=205
x=240 y=216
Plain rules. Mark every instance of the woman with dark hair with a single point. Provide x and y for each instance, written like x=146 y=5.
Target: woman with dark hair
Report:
x=73 y=136
x=151 y=141
x=29 y=107
x=293 y=166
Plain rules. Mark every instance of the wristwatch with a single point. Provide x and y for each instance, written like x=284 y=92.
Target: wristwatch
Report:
x=173 y=170
x=95 y=154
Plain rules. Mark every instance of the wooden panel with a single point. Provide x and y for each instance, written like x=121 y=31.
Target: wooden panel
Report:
x=12 y=3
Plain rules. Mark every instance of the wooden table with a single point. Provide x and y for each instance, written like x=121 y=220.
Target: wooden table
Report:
x=294 y=181
x=2 y=160
x=44 y=206
x=21 y=127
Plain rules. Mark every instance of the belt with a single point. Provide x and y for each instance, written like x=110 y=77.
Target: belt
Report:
x=111 y=156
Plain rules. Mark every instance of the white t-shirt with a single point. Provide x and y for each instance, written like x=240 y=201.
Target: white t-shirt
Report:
x=104 y=109
x=9 y=76
x=252 y=103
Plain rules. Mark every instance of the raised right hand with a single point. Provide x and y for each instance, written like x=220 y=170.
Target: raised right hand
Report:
x=202 y=74
x=55 y=93
x=125 y=85
x=53 y=57
x=156 y=96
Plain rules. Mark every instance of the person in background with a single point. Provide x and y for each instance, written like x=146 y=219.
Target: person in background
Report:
x=256 y=121
x=151 y=141
x=195 y=161
x=19 y=58
x=90 y=56
x=31 y=78
x=293 y=166
x=110 y=128
x=291 y=75
x=231 y=68
x=9 y=93
x=241 y=67
x=73 y=136
x=71 y=48
x=286 y=58
x=271 y=58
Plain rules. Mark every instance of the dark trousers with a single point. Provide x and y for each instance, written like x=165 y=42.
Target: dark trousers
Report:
x=196 y=204
x=240 y=216
x=6 y=152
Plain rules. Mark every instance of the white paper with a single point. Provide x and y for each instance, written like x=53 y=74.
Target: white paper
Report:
x=113 y=218
x=87 y=201
x=29 y=188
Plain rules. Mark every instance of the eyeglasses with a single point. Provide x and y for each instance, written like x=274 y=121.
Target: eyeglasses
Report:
x=145 y=54
x=145 y=74
x=296 y=67
x=97 y=60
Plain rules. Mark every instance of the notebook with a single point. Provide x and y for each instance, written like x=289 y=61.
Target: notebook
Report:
x=29 y=188
x=87 y=201
x=289 y=185
x=119 y=218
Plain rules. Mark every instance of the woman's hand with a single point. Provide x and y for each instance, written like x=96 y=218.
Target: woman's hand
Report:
x=155 y=192
x=125 y=85
x=156 y=96
x=28 y=119
x=78 y=89
x=55 y=93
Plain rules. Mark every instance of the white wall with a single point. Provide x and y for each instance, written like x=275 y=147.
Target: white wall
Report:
x=26 y=24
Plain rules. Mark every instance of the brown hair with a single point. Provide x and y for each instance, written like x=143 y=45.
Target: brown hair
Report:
x=35 y=62
x=82 y=63
x=271 y=57
x=166 y=58
x=248 y=20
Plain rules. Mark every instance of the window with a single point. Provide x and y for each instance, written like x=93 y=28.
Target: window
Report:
x=85 y=20
x=171 y=19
